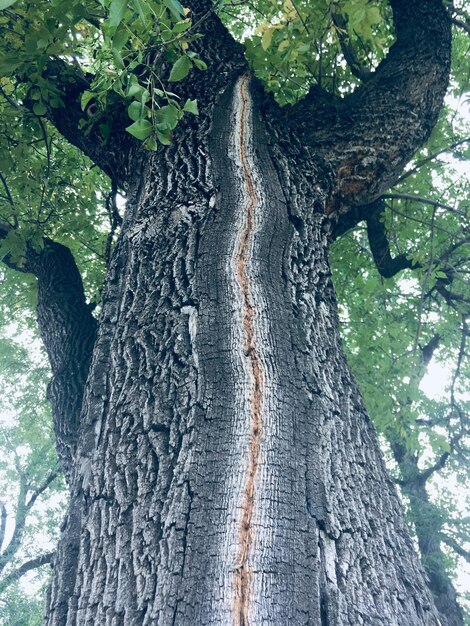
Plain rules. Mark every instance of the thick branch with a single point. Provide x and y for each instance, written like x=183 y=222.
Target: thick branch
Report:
x=23 y=569
x=369 y=138
x=111 y=155
x=379 y=244
x=68 y=330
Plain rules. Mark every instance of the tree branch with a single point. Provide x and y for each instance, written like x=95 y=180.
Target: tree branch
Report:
x=23 y=508
x=430 y=158
x=26 y=567
x=380 y=246
x=369 y=137
x=20 y=520
x=428 y=526
x=357 y=68
x=68 y=331
x=413 y=198
x=449 y=541
x=3 y=523
x=111 y=155
x=41 y=489
x=440 y=464
x=461 y=24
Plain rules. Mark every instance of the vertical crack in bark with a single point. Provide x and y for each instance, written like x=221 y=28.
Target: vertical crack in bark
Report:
x=243 y=259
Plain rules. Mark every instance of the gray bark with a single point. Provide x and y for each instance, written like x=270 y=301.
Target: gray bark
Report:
x=68 y=330
x=227 y=471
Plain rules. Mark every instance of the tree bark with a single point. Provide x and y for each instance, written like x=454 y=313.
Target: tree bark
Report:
x=68 y=331
x=227 y=471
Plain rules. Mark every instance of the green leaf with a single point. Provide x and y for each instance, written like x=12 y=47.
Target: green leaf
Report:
x=141 y=129
x=39 y=108
x=151 y=144
x=175 y=7
x=85 y=99
x=191 y=107
x=180 y=69
x=120 y=38
x=136 y=91
x=116 y=12
x=199 y=63
x=118 y=60
x=135 y=111
x=180 y=27
x=164 y=137
x=140 y=7
x=267 y=38
x=4 y=4
x=167 y=117
x=8 y=65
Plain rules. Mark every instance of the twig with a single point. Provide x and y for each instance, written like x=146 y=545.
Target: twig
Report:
x=413 y=198
x=431 y=157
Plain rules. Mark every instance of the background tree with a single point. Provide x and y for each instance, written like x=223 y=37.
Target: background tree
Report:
x=292 y=47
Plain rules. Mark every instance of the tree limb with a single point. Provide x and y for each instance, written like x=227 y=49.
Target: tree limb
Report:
x=430 y=158
x=41 y=489
x=20 y=520
x=413 y=198
x=26 y=567
x=111 y=155
x=3 y=523
x=357 y=68
x=68 y=331
x=380 y=246
x=368 y=138
x=461 y=24
x=428 y=526
x=440 y=464
x=449 y=541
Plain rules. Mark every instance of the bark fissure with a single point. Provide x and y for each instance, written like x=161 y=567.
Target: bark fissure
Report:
x=228 y=472
x=255 y=367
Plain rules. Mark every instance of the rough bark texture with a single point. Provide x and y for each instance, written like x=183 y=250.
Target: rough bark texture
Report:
x=227 y=472
x=68 y=331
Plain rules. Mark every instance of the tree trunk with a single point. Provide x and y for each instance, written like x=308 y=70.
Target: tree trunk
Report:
x=428 y=523
x=226 y=471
